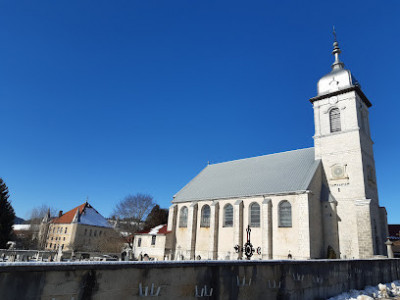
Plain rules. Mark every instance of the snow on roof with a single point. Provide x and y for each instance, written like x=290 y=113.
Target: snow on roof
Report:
x=159 y=229
x=91 y=217
x=156 y=229
x=17 y=227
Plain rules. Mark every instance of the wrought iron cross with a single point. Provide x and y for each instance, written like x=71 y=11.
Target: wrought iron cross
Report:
x=247 y=248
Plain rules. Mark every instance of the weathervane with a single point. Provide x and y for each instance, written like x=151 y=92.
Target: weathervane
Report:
x=247 y=248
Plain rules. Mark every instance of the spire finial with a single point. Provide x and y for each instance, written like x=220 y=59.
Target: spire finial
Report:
x=337 y=64
x=334 y=34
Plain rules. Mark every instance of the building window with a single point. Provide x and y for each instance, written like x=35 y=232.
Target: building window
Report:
x=61 y=230
x=139 y=242
x=95 y=233
x=153 y=239
x=334 y=119
x=66 y=229
x=228 y=215
x=285 y=214
x=90 y=232
x=183 y=217
x=254 y=215
x=64 y=238
x=205 y=216
x=50 y=245
x=100 y=233
x=85 y=231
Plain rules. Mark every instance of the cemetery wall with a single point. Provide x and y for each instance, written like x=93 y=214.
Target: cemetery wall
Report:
x=230 y=280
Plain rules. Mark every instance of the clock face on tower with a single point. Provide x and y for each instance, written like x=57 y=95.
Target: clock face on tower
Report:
x=338 y=171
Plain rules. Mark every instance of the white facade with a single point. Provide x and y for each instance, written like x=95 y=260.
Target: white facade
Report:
x=333 y=210
x=154 y=244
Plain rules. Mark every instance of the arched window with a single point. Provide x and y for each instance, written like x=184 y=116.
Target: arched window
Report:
x=205 y=216
x=183 y=217
x=228 y=215
x=254 y=214
x=334 y=119
x=285 y=214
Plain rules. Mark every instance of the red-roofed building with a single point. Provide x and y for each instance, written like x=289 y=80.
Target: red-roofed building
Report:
x=81 y=229
x=155 y=243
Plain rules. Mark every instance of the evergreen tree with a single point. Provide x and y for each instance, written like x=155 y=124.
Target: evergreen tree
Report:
x=157 y=216
x=7 y=216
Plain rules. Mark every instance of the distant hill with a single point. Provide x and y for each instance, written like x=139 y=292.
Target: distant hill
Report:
x=18 y=220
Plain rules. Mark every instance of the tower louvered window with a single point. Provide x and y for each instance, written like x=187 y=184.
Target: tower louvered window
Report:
x=228 y=215
x=205 y=216
x=183 y=217
x=334 y=118
x=254 y=215
x=285 y=214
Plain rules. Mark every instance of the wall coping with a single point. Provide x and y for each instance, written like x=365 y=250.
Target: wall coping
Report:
x=6 y=267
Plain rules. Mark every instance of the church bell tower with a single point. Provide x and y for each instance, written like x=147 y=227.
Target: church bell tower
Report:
x=343 y=143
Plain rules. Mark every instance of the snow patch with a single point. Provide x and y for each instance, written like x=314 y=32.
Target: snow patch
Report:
x=21 y=227
x=156 y=229
x=376 y=292
x=91 y=217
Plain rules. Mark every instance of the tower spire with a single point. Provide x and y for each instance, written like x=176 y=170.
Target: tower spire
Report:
x=337 y=64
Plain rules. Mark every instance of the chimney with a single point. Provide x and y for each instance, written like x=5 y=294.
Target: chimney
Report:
x=60 y=213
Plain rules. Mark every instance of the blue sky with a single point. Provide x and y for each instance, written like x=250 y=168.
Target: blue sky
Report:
x=107 y=98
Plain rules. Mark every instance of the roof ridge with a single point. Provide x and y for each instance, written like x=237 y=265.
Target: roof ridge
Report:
x=271 y=154
x=71 y=213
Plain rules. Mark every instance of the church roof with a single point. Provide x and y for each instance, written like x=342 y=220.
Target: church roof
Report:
x=283 y=172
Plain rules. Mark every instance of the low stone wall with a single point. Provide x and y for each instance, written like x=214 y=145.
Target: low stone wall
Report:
x=230 y=280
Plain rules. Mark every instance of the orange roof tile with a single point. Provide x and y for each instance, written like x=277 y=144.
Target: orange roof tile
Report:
x=69 y=215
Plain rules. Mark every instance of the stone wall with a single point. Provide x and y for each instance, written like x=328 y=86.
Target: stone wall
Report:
x=314 y=279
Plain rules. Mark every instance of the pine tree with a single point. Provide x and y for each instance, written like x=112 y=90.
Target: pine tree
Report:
x=7 y=216
x=157 y=216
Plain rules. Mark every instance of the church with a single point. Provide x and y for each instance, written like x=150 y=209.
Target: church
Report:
x=319 y=202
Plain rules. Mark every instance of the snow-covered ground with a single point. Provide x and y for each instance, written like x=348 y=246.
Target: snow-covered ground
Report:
x=381 y=291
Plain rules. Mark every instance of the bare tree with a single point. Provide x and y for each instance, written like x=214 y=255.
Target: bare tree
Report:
x=33 y=239
x=133 y=209
x=112 y=243
x=37 y=213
